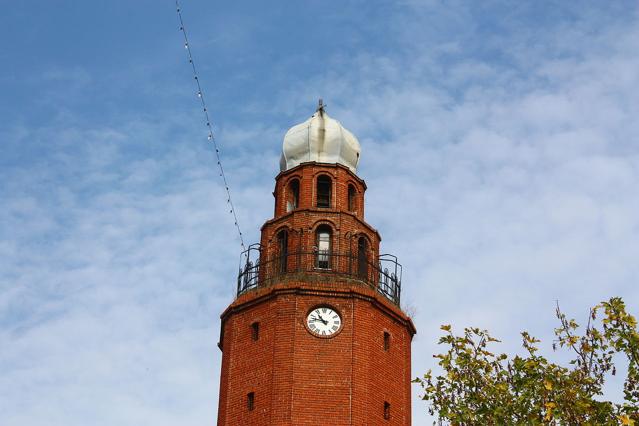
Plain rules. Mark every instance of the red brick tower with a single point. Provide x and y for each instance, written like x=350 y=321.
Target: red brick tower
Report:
x=316 y=335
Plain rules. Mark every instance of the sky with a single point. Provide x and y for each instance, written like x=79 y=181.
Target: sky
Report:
x=499 y=145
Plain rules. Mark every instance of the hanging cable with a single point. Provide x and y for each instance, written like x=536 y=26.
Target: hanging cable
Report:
x=211 y=138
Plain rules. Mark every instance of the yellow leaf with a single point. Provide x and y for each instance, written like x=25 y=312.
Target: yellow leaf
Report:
x=547 y=385
x=549 y=407
x=625 y=420
x=445 y=327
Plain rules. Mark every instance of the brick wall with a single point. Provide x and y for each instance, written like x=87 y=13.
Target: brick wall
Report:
x=301 y=223
x=307 y=174
x=299 y=379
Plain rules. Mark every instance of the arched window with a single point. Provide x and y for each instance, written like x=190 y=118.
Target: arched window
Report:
x=293 y=195
x=362 y=258
x=282 y=250
x=324 y=191
x=351 y=198
x=323 y=236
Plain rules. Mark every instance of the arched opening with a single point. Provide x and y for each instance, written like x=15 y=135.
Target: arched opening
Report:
x=362 y=258
x=323 y=236
x=352 y=193
x=282 y=251
x=324 y=185
x=292 y=195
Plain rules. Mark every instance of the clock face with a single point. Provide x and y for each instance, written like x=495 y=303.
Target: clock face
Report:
x=323 y=321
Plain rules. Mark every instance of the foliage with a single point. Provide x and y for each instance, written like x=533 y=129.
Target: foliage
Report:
x=478 y=387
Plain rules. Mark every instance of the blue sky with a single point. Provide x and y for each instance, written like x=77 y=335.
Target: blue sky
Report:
x=499 y=145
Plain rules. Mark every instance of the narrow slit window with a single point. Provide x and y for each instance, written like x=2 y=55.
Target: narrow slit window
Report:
x=293 y=195
x=387 y=340
x=387 y=413
x=362 y=258
x=255 y=331
x=351 y=198
x=324 y=191
x=282 y=247
x=250 y=401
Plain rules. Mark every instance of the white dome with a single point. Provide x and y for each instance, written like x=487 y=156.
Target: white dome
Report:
x=321 y=139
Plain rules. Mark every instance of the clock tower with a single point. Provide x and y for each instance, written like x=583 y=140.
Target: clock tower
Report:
x=316 y=335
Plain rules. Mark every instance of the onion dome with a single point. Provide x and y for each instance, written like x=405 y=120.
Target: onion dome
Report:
x=321 y=139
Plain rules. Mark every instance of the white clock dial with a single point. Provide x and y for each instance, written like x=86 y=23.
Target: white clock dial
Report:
x=323 y=321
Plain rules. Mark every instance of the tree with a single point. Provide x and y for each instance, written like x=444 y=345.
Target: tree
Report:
x=479 y=387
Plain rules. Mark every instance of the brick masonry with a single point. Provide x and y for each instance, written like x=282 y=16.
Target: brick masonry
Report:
x=297 y=378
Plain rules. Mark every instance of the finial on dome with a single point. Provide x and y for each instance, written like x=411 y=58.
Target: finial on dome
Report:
x=320 y=106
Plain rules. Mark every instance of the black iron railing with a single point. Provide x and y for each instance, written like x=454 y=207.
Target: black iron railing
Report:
x=384 y=273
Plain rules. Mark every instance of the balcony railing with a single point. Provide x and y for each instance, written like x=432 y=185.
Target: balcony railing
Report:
x=383 y=274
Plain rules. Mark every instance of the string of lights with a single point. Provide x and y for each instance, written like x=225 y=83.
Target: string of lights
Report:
x=211 y=138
